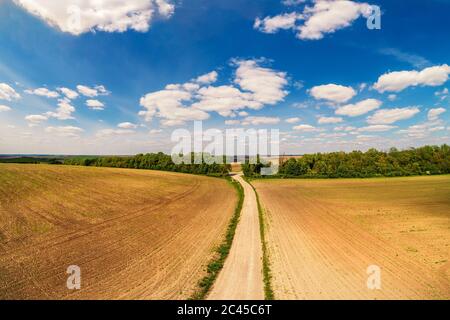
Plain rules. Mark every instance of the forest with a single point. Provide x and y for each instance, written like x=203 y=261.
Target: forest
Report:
x=151 y=161
x=427 y=160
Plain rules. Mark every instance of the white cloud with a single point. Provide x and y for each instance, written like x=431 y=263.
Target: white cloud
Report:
x=329 y=120
x=434 y=114
x=256 y=121
x=362 y=87
x=329 y=16
x=35 y=119
x=176 y=104
x=208 y=78
x=232 y=122
x=420 y=131
x=8 y=93
x=333 y=135
x=92 y=92
x=127 y=125
x=273 y=24
x=113 y=132
x=377 y=128
x=333 y=92
x=265 y=84
x=442 y=93
x=67 y=131
x=155 y=131
x=168 y=105
x=80 y=16
x=413 y=59
x=95 y=105
x=301 y=105
x=400 y=80
x=86 y=91
x=299 y=84
x=343 y=128
x=358 y=109
x=243 y=114
x=437 y=129
x=4 y=108
x=191 y=86
x=392 y=97
x=101 y=90
x=43 y=92
x=325 y=16
x=225 y=100
x=188 y=86
x=305 y=128
x=364 y=137
x=292 y=2
x=389 y=116
x=64 y=111
x=69 y=93
x=293 y=120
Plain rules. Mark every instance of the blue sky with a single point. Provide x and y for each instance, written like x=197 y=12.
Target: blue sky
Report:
x=309 y=68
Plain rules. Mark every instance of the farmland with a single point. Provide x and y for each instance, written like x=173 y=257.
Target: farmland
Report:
x=140 y=234
x=135 y=234
x=323 y=234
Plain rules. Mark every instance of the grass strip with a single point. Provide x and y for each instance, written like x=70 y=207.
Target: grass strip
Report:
x=221 y=253
x=267 y=273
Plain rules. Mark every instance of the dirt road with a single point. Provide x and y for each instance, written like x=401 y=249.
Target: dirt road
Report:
x=241 y=277
x=323 y=236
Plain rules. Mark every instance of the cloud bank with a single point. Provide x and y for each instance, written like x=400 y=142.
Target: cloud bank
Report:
x=80 y=16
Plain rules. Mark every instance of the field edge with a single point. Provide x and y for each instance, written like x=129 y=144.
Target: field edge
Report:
x=221 y=252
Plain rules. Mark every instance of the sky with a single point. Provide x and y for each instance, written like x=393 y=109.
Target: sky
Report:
x=118 y=77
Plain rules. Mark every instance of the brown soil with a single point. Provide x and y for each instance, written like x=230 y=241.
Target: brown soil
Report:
x=135 y=234
x=323 y=235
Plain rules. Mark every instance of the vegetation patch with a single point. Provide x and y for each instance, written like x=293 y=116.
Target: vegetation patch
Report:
x=221 y=253
x=30 y=160
x=427 y=160
x=154 y=161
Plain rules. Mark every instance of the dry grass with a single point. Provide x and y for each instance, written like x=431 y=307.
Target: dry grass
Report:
x=324 y=233
x=135 y=234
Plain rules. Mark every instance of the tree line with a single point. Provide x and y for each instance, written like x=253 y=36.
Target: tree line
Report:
x=427 y=160
x=30 y=160
x=151 y=161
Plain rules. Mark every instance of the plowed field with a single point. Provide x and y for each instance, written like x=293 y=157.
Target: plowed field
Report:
x=324 y=234
x=135 y=234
